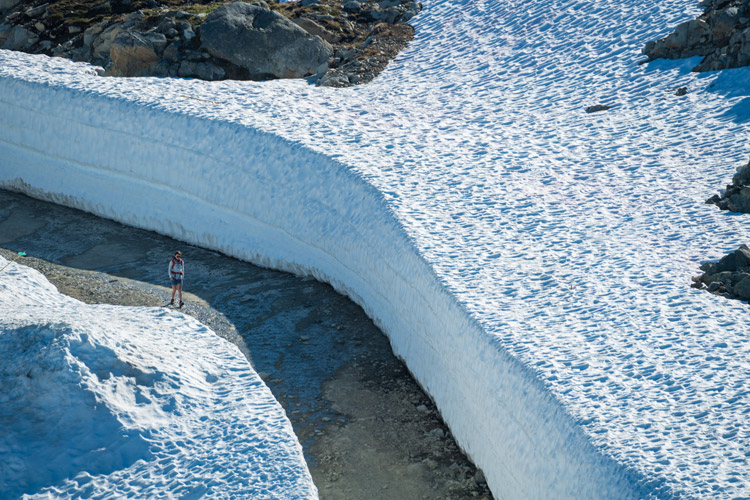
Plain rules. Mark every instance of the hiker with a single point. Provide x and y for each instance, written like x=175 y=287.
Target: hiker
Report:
x=176 y=273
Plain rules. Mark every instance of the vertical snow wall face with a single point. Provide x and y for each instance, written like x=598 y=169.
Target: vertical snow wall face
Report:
x=259 y=198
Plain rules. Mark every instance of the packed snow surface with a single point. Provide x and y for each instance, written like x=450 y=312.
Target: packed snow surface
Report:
x=123 y=402
x=529 y=261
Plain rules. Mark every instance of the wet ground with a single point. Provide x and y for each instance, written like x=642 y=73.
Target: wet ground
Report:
x=367 y=429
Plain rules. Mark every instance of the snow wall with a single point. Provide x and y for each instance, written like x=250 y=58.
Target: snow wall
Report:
x=259 y=198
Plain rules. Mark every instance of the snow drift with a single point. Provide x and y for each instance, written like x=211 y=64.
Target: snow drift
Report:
x=529 y=261
x=114 y=402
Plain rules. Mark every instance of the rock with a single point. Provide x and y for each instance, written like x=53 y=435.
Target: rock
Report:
x=739 y=200
x=681 y=91
x=352 y=6
x=7 y=4
x=263 y=42
x=74 y=29
x=36 y=11
x=188 y=34
x=18 y=38
x=742 y=287
x=718 y=34
x=315 y=29
x=597 y=108
x=136 y=54
x=40 y=27
x=735 y=261
x=736 y=197
x=5 y=30
x=202 y=70
x=479 y=477
x=172 y=52
x=724 y=24
x=412 y=9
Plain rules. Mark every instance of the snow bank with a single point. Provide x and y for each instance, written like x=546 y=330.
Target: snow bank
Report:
x=529 y=261
x=114 y=402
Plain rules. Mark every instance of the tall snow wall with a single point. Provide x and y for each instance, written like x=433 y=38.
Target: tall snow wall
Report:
x=259 y=198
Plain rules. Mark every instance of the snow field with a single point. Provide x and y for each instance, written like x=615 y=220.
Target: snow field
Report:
x=530 y=262
x=114 y=402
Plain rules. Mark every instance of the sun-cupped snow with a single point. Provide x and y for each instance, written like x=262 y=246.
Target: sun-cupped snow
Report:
x=123 y=402
x=531 y=262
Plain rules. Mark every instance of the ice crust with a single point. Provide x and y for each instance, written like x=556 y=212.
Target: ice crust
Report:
x=122 y=402
x=529 y=261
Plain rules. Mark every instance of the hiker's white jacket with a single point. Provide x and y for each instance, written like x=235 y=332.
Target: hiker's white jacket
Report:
x=176 y=269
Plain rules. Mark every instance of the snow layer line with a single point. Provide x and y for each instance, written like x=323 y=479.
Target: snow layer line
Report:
x=257 y=197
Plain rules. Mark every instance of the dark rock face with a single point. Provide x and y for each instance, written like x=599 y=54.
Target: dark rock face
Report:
x=736 y=196
x=323 y=40
x=721 y=35
x=263 y=42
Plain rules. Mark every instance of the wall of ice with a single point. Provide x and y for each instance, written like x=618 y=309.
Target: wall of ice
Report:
x=260 y=198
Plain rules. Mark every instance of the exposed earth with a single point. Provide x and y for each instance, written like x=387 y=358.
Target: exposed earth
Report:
x=367 y=429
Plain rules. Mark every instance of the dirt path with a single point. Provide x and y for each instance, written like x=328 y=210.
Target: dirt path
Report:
x=367 y=429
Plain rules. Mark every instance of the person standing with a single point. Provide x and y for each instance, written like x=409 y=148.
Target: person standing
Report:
x=176 y=274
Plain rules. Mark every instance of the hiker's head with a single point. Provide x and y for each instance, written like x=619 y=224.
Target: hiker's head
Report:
x=178 y=255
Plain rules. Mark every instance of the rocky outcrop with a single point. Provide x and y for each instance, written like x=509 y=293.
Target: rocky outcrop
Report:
x=736 y=197
x=721 y=35
x=330 y=43
x=263 y=42
x=730 y=276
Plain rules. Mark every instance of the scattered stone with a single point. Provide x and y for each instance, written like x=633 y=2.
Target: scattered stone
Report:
x=681 y=91
x=422 y=409
x=597 y=108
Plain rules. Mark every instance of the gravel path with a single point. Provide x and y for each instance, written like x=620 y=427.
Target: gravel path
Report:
x=367 y=429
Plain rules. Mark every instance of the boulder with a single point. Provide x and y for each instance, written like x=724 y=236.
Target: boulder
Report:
x=735 y=261
x=136 y=54
x=7 y=4
x=263 y=42
x=19 y=38
x=202 y=70
x=597 y=108
x=5 y=30
x=742 y=286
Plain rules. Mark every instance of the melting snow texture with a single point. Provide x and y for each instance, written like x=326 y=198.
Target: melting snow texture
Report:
x=529 y=261
x=116 y=402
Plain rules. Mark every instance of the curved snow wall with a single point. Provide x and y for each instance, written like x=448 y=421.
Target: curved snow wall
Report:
x=259 y=198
